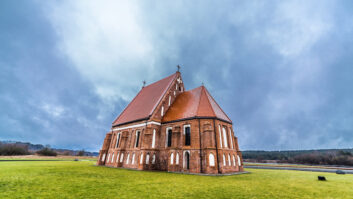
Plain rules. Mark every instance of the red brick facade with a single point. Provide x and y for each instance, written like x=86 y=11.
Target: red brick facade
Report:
x=145 y=145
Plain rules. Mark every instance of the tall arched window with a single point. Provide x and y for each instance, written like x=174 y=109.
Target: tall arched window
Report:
x=137 y=138
x=128 y=158
x=177 y=159
x=141 y=158
x=154 y=158
x=121 y=157
x=117 y=140
x=133 y=159
x=154 y=138
x=169 y=137
x=225 y=137
x=187 y=135
x=211 y=160
x=224 y=160
x=103 y=157
x=186 y=160
x=229 y=161
x=220 y=135
x=112 y=160
x=172 y=158
x=231 y=137
x=233 y=160
x=147 y=158
x=239 y=161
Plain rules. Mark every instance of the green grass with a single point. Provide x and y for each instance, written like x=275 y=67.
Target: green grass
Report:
x=69 y=179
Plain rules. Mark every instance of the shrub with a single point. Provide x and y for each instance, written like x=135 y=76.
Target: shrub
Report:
x=47 y=152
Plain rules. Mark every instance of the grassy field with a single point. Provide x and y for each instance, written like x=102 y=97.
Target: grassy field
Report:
x=37 y=157
x=81 y=179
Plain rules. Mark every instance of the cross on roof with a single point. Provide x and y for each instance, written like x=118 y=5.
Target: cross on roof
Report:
x=144 y=83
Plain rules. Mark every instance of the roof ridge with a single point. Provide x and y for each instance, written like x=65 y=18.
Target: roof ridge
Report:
x=198 y=104
x=205 y=90
x=218 y=106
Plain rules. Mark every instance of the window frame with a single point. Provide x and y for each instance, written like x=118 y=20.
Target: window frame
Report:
x=184 y=128
x=167 y=137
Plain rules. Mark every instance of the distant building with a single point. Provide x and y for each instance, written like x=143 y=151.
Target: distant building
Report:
x=167 y=128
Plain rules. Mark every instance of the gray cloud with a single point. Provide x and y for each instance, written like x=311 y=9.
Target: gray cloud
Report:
x=281 y=70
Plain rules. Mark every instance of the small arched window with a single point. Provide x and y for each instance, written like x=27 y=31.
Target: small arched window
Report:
x=108 y=157
x=154 y=158
x=177 y=159
x=229 y=161
x=128 y=158
x=162 y=111
x=121 y=157
x=233 y=160
x=103 y=157
x=133 y=159
x=137 y=138
x=112 y=160
x=141 y=158
x=117 y=158
x=170 y=100
x=239 y=161
x=211 y=160
x=147 y=158
x=224 y=160
x=172 y=158
x=117 y=140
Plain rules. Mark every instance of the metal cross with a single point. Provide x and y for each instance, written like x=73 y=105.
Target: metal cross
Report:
x=144 y=83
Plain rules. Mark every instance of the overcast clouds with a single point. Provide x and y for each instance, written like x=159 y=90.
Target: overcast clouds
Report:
x=281 y=70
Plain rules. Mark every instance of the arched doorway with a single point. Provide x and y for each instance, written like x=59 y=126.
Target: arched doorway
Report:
x=187 y=160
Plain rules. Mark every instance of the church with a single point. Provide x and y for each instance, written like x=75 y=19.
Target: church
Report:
x=170 y=129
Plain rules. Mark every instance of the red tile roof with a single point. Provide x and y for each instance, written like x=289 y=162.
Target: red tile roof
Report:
x=195 y=103
x=145 y=102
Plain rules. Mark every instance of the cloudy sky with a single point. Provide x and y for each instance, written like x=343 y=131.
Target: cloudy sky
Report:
x=281 y=70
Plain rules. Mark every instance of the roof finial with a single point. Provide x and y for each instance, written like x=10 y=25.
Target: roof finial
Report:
x=144 y=83
x=178 y=67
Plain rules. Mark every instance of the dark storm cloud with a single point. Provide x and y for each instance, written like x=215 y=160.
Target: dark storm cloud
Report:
x=282 y=71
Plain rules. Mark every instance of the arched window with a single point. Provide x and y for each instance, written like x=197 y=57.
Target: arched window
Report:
x=229 y=163
x=141 y=158
x=224 y=160
x=177 y=159
x=121 y=157
x=174 y=93
x=231 y=137
x=154 y=158
x=239 y=161
x=233 y=160
x=137 y=138
x=162 y=111
x=103 y=157
x=112 y=160
x=176 y=86
x=133 y=159
x=172 y=158
x=187 y=135
x=211 y=160
x=186 y=160
x=128 y=158
x=169 y=137
x=225 y=137
x=147 y=158
x=154 y=138
x=117 y=158
x=220 y=135
x=108 y=157
x=170 y=100
x=117 y=140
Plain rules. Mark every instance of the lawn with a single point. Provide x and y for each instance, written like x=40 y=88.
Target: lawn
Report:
x=82 y=179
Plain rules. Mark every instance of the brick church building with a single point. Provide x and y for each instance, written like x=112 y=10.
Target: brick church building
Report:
x=169 y=129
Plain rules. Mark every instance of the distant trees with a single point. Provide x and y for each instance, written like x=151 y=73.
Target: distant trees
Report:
x=46 y=151
x=13 y=149
x=316 y=157
x=81 y=152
